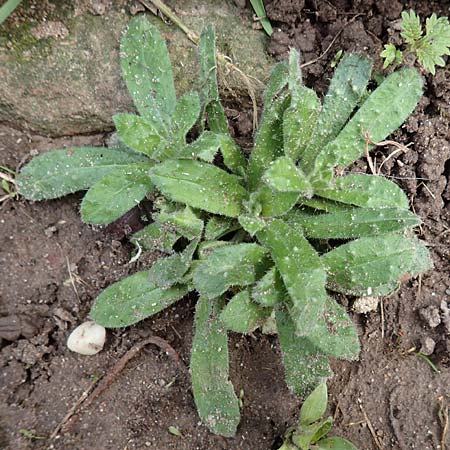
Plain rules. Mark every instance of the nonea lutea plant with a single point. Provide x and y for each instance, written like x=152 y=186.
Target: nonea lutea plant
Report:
x=264 y=241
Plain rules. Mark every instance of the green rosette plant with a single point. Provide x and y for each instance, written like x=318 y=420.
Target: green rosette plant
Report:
x=263 y=241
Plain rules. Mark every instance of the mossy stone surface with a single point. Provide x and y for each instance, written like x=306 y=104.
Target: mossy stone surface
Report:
x=71 y=83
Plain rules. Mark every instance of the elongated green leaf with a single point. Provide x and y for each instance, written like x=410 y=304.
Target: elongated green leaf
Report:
x=295 y=80
x=61 y=172
x=170 y=270
x=268 y=141
x=323 y=204
x=184 y=221
x=283 y=175
x=115 y=194
x=381 y=114
x=233 y=265
x=260 y=11
x=315 y=405
x=251 y=224
x=218 y=226
x=147 y=71
x=335 y=443
x=131 y=300
x=278 y=80
x=205 y=147
x=305 y=366
x=269 y=290
x=300 y=118
x=200 y=185
x=205 y=248
x=335 y=334
x=186 y=114
x=233 y=157
x=137 y=133
x=369 y=262
x=275 y=203
x=301 y=270
x=346 y=89
x=209 y=92
x=355 y=222
x=241 y=315
x=216 y=402
x=367 y=191
x=155 y=237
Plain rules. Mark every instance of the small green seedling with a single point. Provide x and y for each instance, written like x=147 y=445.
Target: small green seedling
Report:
x=429 y=48
x=310 y=432
x=30 y=435
x=262 y=241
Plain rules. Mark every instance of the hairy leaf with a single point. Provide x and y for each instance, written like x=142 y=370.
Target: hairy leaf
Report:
x=137 y=133
x=209 y=91
x=305 y=366
x=335 y=334
x=205 y=147
x=277 y=81
x=233 y=265
x=147 y=71
x=251 y=224
x=241 y=315
x=300 y=118
x=170 y=270
x=374 y=261
x=155 y=237
x=268 y=141
x=218 y=226
x=115 y=194
x=301 y=270
x=233 y=157
x=61 y=172
x=186 y=114
x=216 y=402
x=346 y=89
x=367 y=191
x=200 y=185
x=381 y=114
x=283 y=175
x=269 y=290
x=275 y=203
x=184 y=221
x=131 y=300
x=355 y=222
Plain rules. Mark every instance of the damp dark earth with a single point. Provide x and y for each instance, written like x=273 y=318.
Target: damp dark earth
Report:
x=60 y=84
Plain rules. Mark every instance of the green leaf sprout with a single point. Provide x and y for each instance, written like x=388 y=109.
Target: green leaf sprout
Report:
x=429 y=47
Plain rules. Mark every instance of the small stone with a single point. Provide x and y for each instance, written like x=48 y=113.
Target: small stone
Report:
x=50 y=231
x=431 y=316
x=428 y=346
x=87 y=338
x=364 y=305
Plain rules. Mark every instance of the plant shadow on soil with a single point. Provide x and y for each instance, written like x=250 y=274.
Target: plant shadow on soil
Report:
x=43 y=243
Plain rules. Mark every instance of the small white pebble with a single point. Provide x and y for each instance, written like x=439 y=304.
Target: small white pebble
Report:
x=364 y=305
x=87 y=338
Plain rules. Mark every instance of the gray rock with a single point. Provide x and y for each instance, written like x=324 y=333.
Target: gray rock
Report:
x=67 y=80
x=431 y=316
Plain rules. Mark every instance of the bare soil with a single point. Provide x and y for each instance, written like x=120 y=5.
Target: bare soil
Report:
x=52 y=266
